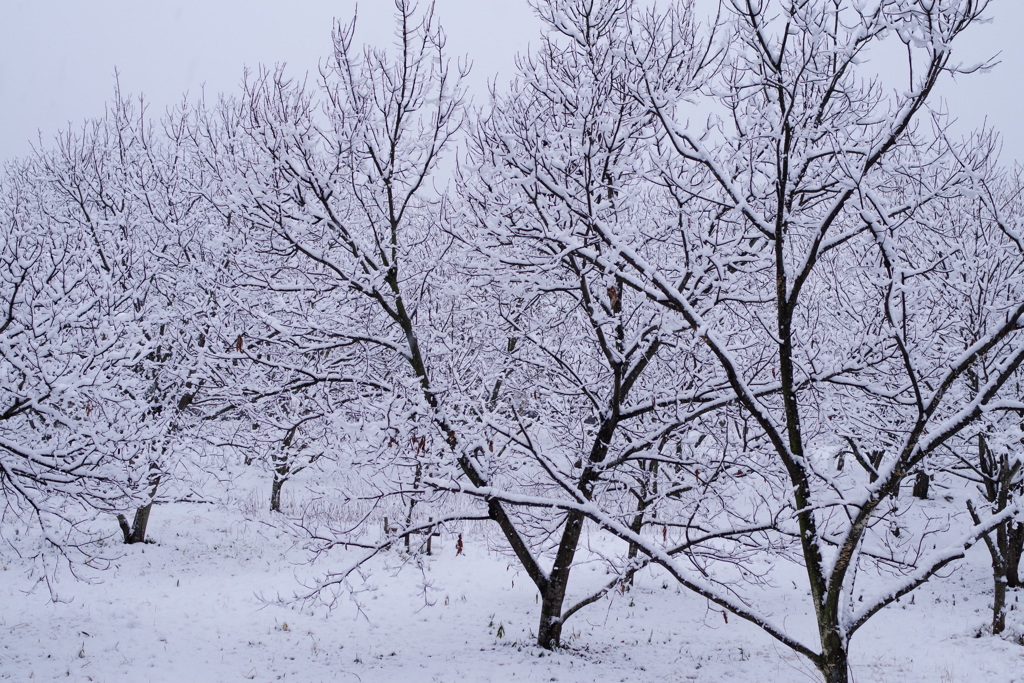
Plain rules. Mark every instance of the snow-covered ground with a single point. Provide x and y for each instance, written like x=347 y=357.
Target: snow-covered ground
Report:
x=199 y=604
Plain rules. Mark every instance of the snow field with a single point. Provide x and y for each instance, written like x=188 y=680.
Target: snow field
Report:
x=201 y=604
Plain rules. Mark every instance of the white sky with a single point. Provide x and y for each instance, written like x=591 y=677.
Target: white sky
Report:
x=57 y=57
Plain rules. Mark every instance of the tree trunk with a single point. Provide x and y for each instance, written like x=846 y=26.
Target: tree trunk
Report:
x=998 y=601
x=275 y=492
x=549 y=632
x=998 y=542
x=412 y=502
x=282 y=471
x=1014 y=550
x=136 y=533
x=921 y=483
x=636 y=526
x=999 y=565
x=834 y=663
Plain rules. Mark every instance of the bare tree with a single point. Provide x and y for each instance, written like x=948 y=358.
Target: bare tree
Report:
x=331 y=187
x=69 y=426
x=810 y=260
x=129 y=183
x=988 y=454
x=607 y=397
x=361 y=303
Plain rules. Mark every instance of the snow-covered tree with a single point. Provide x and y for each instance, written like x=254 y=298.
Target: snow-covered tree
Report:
x=328 y=186
x=989 y=453
x=131 y=186
x=804 y=251
x=610 y=403
x=717 y=291
x=70 y=423
x=368 y=317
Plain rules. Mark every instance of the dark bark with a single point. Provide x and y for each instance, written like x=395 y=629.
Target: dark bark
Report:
x=996 y=541
x=834 y=662
x=136 y=533
x=921 y=484
x=412 y=502
x=275 y=492
x=998 y=600
x=282 y=470
x=646 y=491
x=1014 y=550
x=549 y=632
x=1004 y=543
x=636 y=525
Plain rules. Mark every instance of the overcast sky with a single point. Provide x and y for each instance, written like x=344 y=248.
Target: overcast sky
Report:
x=58 y=57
